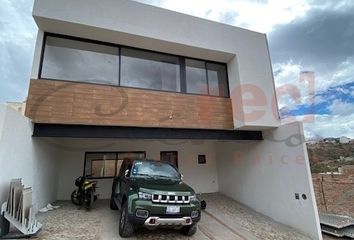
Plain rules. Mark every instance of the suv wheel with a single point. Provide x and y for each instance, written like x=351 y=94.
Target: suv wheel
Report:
x=126 y=228
x=189 y=230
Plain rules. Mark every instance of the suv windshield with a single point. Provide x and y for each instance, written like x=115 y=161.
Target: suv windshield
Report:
x=154 y=169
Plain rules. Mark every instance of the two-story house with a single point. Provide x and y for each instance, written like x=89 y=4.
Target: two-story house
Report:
x=112 y=79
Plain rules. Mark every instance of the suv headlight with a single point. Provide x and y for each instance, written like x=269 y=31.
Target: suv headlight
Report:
x=193 y=198
x=145 y=196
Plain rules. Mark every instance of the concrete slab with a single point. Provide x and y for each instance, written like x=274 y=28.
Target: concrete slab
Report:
x=342 y=232
x=336 y=221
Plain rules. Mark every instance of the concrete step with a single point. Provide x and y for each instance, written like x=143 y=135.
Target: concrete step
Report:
x=342 y=232
x=336 y=221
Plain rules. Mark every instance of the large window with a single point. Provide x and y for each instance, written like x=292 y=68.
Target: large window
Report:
x=73 y=59
x=107 y=164
x=196 y=77
x=217 y=79
x=149 y=70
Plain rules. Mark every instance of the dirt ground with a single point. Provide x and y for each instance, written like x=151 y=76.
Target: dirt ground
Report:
x=223 y=219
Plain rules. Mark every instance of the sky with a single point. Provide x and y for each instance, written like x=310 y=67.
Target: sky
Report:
x=311 y=44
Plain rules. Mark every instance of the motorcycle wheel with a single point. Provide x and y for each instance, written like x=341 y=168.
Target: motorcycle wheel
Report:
x=89 y=199
x=75 y=199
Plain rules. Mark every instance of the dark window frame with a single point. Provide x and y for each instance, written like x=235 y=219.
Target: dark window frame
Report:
x=116 y=161
x=181 y=60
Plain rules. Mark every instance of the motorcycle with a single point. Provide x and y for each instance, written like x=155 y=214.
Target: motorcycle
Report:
x=85 y=194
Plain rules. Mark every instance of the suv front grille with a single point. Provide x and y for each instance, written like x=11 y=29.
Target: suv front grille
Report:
x=158 y=198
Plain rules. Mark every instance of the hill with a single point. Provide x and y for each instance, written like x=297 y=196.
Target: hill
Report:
x=327 y=156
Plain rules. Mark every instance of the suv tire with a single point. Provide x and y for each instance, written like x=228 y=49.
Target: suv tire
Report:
x=126 y=228
x=189 y=230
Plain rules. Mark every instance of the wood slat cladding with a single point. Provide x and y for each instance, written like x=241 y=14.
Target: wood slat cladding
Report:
x=63 y=102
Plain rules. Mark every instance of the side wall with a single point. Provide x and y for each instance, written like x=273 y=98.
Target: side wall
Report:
x=22 y=156
x=267 y=175
x=203 y=178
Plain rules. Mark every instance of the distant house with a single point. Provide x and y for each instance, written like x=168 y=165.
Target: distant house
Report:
x=331 y=140
x=344 y=139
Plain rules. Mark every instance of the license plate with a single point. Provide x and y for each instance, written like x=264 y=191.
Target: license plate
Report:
x=173 y=209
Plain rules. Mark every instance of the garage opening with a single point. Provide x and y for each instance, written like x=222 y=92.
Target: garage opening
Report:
x=253 y=172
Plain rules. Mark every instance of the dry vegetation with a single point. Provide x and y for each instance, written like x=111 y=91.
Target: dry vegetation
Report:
x=328 y=156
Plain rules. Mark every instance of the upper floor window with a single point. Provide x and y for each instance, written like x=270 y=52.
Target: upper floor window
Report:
x=196 y=77
x=150 y=70
x=72 y=59
x=217 y=79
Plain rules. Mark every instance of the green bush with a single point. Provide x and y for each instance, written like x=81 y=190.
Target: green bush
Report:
x=320 y=168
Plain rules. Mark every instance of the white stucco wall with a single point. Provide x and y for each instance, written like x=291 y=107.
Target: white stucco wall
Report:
x=265 y=176
x=202 y=177
x=2 y=118
x=22 y=156
x=134 y=24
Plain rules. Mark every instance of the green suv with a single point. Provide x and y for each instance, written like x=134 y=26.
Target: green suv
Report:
x=152 y=194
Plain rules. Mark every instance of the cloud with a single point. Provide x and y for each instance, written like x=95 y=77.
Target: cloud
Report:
x=332 y=116
x=17 y=38
x=330 y=126
x=320 y=42
x=322 y=37
x=342 y=108
x=294 y=85
x=255 y=15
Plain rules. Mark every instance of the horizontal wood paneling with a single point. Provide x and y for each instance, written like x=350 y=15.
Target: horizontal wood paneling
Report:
x=90 y=104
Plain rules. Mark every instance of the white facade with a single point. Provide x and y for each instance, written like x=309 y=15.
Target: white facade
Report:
x=138 y=25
